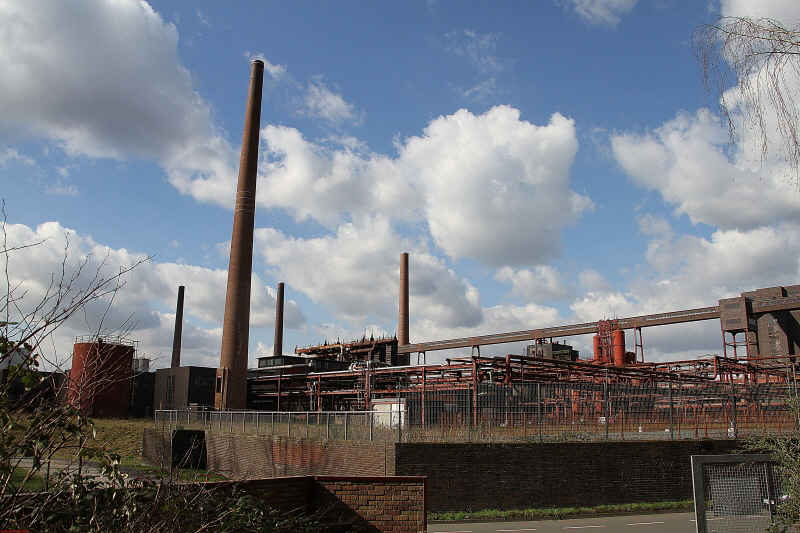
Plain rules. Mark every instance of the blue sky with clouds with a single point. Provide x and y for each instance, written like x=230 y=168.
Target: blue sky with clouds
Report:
x=543 y=162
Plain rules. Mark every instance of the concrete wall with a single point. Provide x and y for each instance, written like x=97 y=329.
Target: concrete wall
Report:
x=156 y=448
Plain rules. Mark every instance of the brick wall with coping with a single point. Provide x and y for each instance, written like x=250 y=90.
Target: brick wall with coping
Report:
x=377 y=504
x=545 y=475
x=484 y=476
x=263 y=457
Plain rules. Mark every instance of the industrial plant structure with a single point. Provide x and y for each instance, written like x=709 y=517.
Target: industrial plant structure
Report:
x=759 y=329
x=760 y=333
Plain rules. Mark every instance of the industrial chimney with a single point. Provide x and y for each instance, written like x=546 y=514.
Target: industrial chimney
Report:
x=176 y=340
x=277 y=349
x=231 y=385
x=402 y=319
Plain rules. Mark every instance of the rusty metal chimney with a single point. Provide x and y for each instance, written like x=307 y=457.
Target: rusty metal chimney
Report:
x=176 y=340
x=277 y=349
x=231 y=386
x=402 y=318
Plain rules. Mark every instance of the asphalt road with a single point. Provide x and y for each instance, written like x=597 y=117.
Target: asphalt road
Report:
x=656 y=523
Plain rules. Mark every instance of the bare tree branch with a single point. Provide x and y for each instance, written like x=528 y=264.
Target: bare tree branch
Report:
x=752 y=65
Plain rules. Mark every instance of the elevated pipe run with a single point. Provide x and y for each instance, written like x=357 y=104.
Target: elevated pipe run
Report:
x=231 y=383
x=675 y=317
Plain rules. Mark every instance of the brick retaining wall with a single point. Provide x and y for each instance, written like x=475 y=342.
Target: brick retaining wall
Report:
x=542 y=475
x=264 y=457
x=386 y=503
x=483 y=476
x=376 y=504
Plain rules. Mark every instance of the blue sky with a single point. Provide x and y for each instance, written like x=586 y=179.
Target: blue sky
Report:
x=543 y=162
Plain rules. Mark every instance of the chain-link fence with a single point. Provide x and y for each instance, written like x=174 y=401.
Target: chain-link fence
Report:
x=527 y=412
x=344 y=425
x=597 y=411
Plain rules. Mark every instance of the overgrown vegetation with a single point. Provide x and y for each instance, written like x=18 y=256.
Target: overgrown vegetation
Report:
x=785 y=450
x=36 y=427
x=121 y=503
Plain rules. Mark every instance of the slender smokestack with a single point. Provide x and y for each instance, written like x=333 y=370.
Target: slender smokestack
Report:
x=402 y=318
x=176 y=340
x=231 y=387
x=277 y=349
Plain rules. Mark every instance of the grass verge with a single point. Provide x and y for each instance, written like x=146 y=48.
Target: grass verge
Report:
x=562 y=513
x=123 y=437
x=34 y=484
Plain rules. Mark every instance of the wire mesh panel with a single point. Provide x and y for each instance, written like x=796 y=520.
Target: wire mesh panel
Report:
x=735 y=493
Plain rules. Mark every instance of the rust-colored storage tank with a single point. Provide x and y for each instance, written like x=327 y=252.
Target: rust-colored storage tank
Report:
x=618 y=342
x=598 y=357
x=100 y=378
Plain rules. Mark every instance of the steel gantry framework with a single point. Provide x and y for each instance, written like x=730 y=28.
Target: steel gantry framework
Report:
x=615 y=387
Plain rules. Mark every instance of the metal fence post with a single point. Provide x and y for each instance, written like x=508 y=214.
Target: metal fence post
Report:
x=539 y=409
x=308 y=415
x=345 y=425
x=469 y=412
x=671 y=421
x=370 y=425
x=605 y=403
x=734 y=429
x=399 y=423
x=327 y=425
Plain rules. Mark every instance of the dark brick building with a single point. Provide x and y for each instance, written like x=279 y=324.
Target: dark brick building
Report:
x=185 y=386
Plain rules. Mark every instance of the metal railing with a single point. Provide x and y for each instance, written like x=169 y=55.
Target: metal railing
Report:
x=523 y=412
x=344 y=425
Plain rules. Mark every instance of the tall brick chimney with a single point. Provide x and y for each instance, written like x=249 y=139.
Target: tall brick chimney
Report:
x=231 y=383
x=402 y=316
x=277 y=348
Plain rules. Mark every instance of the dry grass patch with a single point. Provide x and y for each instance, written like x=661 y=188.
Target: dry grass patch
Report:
x=123 y=437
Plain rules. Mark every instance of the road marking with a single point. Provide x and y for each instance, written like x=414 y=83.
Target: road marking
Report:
x=530 y=529
x=580 y=527
x=644 y=523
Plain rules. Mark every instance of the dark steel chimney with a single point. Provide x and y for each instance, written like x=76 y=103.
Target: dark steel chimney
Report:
x=231 y=386
x=402 y=319
x=277 y=349
x=176 y=340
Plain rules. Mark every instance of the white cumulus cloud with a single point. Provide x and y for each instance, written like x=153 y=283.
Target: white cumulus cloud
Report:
x=103 y=79
x=144 y=304
x=496 y=187
x=685 y=160
x=601 y=12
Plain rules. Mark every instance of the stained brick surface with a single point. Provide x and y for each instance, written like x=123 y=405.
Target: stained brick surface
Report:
x=263 y=457
x=375 y=504
x=514 y=476
x=481 y=476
